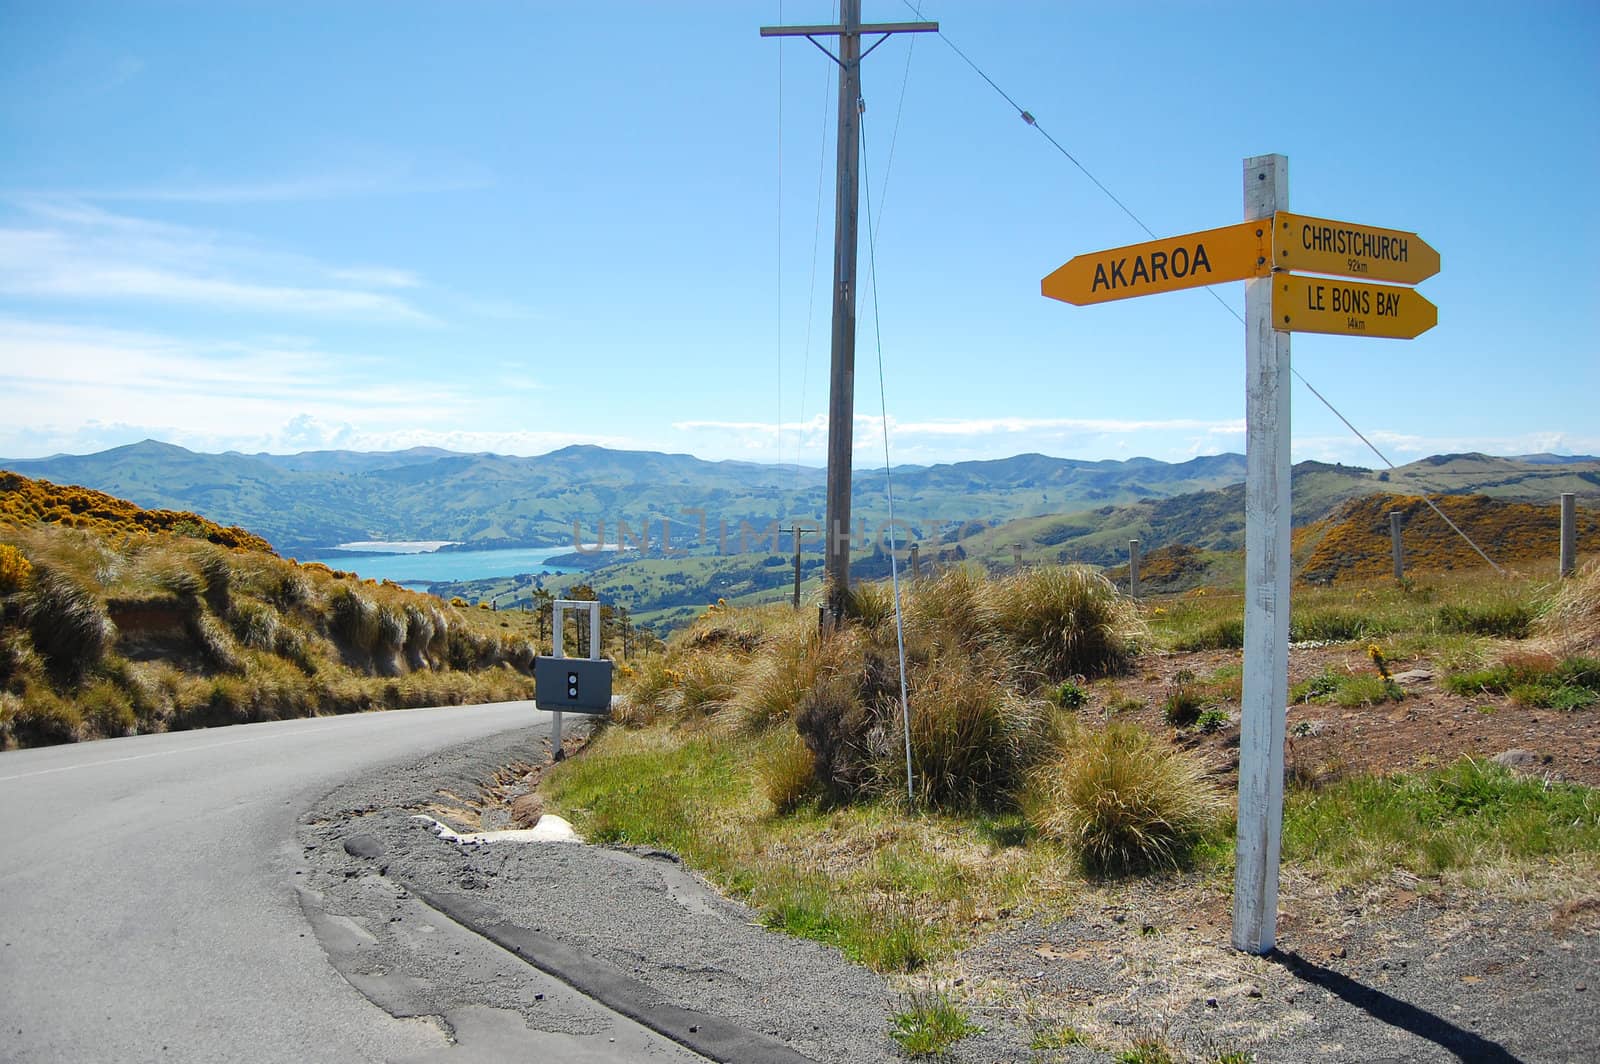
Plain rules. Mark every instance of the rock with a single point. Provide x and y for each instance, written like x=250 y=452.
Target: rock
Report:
x=363 y=846
x=1252 y=991
x=1413 y=677
x=526 y=810
x=1521 y=759
x=1211 y=1003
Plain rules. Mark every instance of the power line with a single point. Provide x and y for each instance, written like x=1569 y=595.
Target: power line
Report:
x=1034 y=122
x=888 y=484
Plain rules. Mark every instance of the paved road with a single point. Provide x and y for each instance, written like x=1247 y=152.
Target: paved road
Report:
x=148 y=909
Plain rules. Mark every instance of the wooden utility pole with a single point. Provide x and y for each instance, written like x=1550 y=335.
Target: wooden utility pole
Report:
x=798 y=532
x=842 y=378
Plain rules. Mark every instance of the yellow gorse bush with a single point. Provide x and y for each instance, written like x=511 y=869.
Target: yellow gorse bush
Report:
x=15 y=570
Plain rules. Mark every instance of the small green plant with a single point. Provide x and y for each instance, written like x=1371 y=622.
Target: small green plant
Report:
x=930 y=1024
x=1070 y=695
x=1147 y=1049
x=1318 y=687
x=1213 y=719
x=1063 y=1036
x=1185 y=700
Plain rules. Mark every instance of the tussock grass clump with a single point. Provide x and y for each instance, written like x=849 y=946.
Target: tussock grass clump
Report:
x=1570 y=626
x=254 y=624
x=215 y=643
x=69 y=625
x=973 y=736
x=1125 y=802
x=1068 y=620
x=354 y=619
x=788 y=774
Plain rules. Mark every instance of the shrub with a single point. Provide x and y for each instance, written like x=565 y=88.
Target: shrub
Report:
x=956 y=608
x=69 y=626
x=15 y=570
x=1124 y=802
x=1068 y=620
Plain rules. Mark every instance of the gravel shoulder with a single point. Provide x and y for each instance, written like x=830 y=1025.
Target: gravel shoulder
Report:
x=1399 y=971
x=640 y=914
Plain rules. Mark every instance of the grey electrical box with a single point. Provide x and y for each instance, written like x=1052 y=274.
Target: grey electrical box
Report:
x=572 y=685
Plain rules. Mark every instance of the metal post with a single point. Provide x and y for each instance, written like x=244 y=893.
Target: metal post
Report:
x=1133 y=568
x=558 y=624
x=1266 y=622
x=1569 y=533
x=1395 y=544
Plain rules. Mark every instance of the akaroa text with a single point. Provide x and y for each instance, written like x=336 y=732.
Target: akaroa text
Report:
x=1151 y=267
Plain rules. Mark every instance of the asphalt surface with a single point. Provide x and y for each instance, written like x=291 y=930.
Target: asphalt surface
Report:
x=152 y=908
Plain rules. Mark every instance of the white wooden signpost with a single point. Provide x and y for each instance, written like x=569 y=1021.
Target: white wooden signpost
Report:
x=1259 y=251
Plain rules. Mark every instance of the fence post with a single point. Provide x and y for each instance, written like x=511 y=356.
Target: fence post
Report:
x=1133 y=568
x=1396 y=545
x=1569 y=533
x=1016 y=555
x=916 y=563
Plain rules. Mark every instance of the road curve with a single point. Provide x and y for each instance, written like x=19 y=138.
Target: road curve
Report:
x=146 y=902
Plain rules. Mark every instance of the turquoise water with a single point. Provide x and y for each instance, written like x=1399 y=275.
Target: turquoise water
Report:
x=419 y=569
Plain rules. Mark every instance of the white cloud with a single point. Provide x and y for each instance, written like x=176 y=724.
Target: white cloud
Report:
x=76 y=251
x=78 y=389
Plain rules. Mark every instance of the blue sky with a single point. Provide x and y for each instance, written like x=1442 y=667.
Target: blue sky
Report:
x=512 y=226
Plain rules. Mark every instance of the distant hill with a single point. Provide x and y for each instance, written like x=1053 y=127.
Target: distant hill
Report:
x=1055 y=506
x=1506 y=504
x=1354 y=540
x=321 y=498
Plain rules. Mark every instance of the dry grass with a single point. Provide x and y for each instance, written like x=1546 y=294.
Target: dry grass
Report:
x=1125 y=802
x=1571 y=624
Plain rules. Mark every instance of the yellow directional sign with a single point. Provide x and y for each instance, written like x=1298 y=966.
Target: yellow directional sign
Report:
x=1349 y=308
x=1231 y=253
x=1321 y=245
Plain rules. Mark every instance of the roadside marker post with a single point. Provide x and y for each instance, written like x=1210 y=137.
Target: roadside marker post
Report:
x=576 y=685
x=1259 y=251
